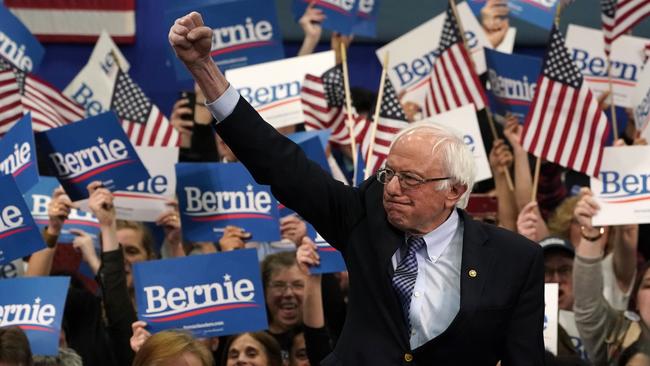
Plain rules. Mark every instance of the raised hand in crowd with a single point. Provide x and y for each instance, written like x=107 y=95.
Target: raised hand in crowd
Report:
x=233 y=238
x=336 y=41
x=585 y=210
x=500 y=161
x=101 y=205
x=523 y=179
x=531 y=224
x=84 y=243
x=140 y=335
x=495 y=22
x=293 y=228
x=182 y=124
x=171 y=224
x=310 y=22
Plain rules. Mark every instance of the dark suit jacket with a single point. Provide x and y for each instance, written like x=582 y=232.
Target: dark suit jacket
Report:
x=501 y=308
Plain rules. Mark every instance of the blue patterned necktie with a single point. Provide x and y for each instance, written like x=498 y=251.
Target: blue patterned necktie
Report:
x=405 y=275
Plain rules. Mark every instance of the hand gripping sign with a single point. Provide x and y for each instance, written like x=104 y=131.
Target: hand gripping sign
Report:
x=214 y=195
x=92 y=149
x=19 y=235
x=217 y=294
x=35 y=304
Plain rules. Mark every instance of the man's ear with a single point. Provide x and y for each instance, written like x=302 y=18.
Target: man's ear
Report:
x=456 y=192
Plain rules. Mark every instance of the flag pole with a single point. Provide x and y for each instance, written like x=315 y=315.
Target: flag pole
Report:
x=380 y=96
x=533 y=193
x=612 y=107
x=117 y=60
x=493 y=128
x=348 y=105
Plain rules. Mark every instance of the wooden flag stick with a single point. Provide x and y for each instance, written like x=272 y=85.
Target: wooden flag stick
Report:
x=348 y=105
x=373 y=131
x=612 y=107
x=493 y=128
x=533 y=194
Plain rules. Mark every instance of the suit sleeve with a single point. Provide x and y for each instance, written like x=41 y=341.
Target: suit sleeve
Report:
x=300 y=184
x=525 y=341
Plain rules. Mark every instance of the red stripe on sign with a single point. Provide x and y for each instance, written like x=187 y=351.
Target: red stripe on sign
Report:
x=22 y=168
x=201 y=311
x=240 y=47
x=36 y=327
x=99 y=170
x=12 y=232
x=231 y=217
x=278 y=104
x=72 y=4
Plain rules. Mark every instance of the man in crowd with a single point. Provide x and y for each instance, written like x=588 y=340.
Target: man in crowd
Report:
x=428 y=285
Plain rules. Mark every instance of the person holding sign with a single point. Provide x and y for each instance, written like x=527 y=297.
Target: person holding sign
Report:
x=428 y=285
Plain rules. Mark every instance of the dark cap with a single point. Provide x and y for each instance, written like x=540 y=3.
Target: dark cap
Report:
x=553 y=243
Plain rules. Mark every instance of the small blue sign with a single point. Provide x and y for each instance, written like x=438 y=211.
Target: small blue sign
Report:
x=366 y=23
x=36 y=305
x=513 y=82
x=340 y=16
x=217 y=294
x=19 y=235
x=39 y=197
x=331 y=260
x=17 y=44
x=214 y=195
x=93 y=149
x=244 y=32
x=18 y=154
x=540 y=13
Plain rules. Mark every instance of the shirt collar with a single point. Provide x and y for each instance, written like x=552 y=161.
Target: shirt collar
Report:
x=439 y=239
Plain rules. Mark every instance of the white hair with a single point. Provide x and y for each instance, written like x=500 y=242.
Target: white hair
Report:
x=457 y=159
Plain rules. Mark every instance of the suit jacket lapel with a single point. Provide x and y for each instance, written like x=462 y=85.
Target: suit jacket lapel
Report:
x=475 y=265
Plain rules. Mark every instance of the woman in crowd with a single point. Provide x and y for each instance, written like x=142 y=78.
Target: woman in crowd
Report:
x=173 y=348
x=252 y=348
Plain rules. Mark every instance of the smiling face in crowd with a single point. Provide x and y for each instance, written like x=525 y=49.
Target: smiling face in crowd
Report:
x=246 y=350
x=284 y=295
x=134 y=251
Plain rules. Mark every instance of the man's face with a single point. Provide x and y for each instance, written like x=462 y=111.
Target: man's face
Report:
x=558 y=268
x=419 y=209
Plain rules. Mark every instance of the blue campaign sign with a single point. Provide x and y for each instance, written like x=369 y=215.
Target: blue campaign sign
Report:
x=366 y=22
x=19 y=235
x=340 y=15
x=18 y=154
x=323 y=136
x=17 y=44
x=331 y=260
x=214 y=195
x=40 y=196
x=92 y=149
x=35 y=304
x=540 y=13
x=513 y=81
x=217 y=294
x=244 y=32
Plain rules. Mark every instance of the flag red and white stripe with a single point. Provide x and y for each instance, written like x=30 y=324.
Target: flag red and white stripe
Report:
x=619 y=16
x=157 y=131
x=11 y=108
x=49 y=108
x=565 y=124
x=387 y=129
x=79 y=21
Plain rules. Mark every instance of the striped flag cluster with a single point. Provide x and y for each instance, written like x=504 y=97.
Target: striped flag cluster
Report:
x=453 y=82
x=323 y=104
x=141 y=120
x=11 y=109
x=564 y=110
x=49 y=108
x=619 y=16
x=390 y=122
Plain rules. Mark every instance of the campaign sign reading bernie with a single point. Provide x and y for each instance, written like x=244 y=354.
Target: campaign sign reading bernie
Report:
x=340 y=15
x=17 y=44
x=18 y=154
x=540 y=13
x=245 y=32
x=217 y=294
x=513 y=81
x=19 y=235
x=39 y=197
x=214 y=195
x=35 y=304
x=92 y=149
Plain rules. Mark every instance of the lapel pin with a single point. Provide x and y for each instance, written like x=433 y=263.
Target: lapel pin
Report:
x=472 y=273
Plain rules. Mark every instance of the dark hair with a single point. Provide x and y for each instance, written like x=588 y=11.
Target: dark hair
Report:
x=270 y=344
x=14 y=347
x=639 y=347
x=645 y=267
x=275 y=262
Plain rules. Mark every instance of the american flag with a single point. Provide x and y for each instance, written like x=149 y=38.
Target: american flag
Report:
x=565 y=124
x=49 y=108
x=453 y=82
x=323 y=104
x=141 y=120
x=391 y=120
x=619 y=16
x=11 y=109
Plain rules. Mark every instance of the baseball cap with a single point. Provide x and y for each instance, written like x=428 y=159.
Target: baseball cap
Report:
x=557 y=243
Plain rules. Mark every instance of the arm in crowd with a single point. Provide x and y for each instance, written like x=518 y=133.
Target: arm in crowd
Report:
x=204 y=140
x=500 y=162
x=172 y=246
x=84 y=243
x=112 y=277
x=594 y=316
x=523 y=179
x=310 y=22
x=40 y=263
x=531 y=224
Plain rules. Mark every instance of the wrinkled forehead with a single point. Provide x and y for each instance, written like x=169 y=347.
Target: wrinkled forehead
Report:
x=420 y=145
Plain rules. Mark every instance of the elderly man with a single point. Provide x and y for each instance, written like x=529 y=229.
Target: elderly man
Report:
x=428 y=285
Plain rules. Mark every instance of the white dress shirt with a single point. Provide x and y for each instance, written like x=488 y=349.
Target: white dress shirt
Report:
x=436 y=294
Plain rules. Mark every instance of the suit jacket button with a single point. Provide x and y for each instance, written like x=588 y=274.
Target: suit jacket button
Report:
x=408 y=357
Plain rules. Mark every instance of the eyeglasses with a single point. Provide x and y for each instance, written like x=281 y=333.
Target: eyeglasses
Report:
x=406 y=180
x=281 y=287
x=563 y=272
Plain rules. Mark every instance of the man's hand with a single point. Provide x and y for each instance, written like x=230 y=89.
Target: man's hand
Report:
x=100 y=203
x=57 y=211
x=233 y=238
x=191 y=40
x=293 y=228
x=307 y=255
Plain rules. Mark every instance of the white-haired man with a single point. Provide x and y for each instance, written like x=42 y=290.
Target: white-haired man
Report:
x=428 y=285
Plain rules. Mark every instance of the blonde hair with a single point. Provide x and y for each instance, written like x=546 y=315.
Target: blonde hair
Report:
x=559 y=224
x=168 y=345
